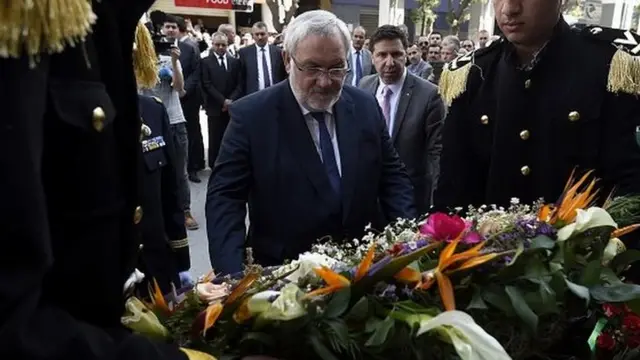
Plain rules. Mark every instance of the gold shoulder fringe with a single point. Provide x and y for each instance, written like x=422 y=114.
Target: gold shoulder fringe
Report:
x=33 y=27
x=196 y=355
x=453 y=83
x=145 y=60
x=624 y=73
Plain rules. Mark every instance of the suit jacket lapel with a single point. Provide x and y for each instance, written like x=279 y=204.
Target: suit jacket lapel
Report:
x=403 y=104
x=348 y=132
x=301 y=143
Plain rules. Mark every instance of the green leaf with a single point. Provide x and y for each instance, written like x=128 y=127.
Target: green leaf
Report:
x=338 y=304
x=542 y=242
x=608 y=276
x=578 y=290
x=616 y=293
x=477 y=302
x=496 y=296
x=320 y=348
x=521 y=308
x=634 y=305
x=372 y=324
x=624 y=259
x=591 y=274
x=337 y=333
x=519 y=251
x=382 y=332
x=360 y=311
x=259 y=337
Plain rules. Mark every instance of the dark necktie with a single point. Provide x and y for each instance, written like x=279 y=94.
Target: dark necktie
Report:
x=265 y=68
x=358 y=68
x=328 y=155
x=221 y=57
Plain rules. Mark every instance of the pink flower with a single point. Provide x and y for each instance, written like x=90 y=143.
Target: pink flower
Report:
x=443 y=227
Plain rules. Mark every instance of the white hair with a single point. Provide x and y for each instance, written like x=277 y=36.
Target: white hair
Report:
x=319 y=23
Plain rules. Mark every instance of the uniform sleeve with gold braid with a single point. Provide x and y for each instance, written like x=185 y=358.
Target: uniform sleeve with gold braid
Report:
x=624 y=69
x=43 y=26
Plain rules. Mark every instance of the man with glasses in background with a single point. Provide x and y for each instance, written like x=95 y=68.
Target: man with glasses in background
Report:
x=312 y=158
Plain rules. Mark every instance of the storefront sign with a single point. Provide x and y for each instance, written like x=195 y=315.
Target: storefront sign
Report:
x=233 y=5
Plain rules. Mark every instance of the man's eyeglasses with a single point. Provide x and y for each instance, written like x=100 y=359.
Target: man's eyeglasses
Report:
x=316 y=72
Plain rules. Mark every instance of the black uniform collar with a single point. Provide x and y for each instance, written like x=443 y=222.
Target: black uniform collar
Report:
x=555 y=42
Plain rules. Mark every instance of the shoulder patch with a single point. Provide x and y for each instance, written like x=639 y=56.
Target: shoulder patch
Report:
x=624 y=70
x=453 y=81
x=157 y=99
x=624 y=40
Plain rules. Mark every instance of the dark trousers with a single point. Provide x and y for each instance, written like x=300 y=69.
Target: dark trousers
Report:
x=217 y=125
x=191 y=110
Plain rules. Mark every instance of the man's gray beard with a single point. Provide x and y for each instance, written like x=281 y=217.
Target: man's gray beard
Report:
x=298 y=94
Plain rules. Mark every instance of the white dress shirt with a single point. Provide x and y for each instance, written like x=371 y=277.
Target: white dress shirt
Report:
x=396 y=88
x=260 y=69
x=314 y=130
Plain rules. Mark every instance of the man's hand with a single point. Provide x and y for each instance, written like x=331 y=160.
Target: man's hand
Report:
x=175 y=53
x=225 y=106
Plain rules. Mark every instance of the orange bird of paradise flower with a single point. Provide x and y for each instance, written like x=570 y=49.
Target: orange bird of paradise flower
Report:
x=448 y=263
x=336 y=281
x=566 y=209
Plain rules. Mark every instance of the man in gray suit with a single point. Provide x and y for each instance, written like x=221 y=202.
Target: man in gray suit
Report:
x=413 y=109
x=359 y=60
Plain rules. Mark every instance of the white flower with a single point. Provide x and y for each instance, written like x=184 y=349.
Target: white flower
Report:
x=515 y=201
x=613 y=248
x=307 y=262
x=586 y=219
x=470 y=340
x=286 y=305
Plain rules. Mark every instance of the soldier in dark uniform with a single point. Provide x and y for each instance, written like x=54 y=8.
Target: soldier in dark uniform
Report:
x=69 y=151
x=166 y=248
x=531 y=107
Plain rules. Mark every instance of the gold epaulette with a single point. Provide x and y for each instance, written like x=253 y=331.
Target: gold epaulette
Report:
x=157 y=99
x=453 y=81
x=34 y=27
x=145 y=63
x=624 y=70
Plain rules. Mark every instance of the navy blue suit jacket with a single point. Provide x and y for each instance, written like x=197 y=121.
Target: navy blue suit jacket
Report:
x=269 y=160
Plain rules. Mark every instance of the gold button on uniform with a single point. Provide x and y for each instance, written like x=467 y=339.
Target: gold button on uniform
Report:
x=524 y=134
x=137 y=215
x=484 y=119
x=527 y=84
x=98 y=119
x=525 y=170
x=574 y=116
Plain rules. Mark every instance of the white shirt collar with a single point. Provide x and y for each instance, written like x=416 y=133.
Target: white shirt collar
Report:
x=184 y=38
x=395 y=87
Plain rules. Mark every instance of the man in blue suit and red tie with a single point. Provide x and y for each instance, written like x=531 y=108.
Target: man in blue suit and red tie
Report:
x=311 y=158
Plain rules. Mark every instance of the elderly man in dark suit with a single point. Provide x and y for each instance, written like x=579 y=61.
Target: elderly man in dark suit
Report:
x=220 y=87
x=311 y=158
x=412 y=108
x=262 y=63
